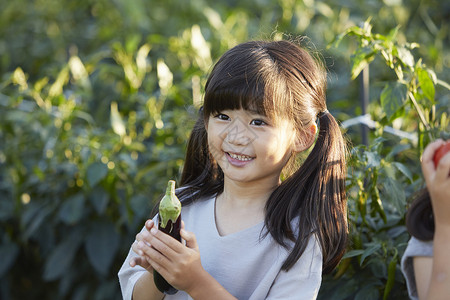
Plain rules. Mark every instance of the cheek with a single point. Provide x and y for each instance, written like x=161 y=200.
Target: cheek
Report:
x=214 y=145
x=283 y=140
x=279 y=146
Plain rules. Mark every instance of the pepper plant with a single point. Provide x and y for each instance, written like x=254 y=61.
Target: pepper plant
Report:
x=384 y=175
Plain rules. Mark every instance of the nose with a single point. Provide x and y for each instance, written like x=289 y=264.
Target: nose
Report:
x=238 y=134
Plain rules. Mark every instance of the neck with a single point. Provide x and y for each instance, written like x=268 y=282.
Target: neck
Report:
x=245 y=195
x=241 y=205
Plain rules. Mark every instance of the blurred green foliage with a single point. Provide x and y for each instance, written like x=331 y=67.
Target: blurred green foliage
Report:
x=97 y=99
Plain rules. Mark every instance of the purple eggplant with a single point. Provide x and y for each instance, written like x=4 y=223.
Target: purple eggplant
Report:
x=169 y=223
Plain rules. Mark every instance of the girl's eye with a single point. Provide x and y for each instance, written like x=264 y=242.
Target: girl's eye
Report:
x=258 y=122
x=222 y=117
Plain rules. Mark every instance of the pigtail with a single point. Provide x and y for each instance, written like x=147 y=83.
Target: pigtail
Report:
x=420 y=217
x=315 y=194
x=201 y=175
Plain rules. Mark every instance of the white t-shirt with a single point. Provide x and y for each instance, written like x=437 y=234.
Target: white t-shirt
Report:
x=244 y=264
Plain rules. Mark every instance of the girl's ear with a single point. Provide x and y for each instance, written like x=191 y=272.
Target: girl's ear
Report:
x=305 y=140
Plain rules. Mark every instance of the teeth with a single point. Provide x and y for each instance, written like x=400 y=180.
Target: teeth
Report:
x=240 y=157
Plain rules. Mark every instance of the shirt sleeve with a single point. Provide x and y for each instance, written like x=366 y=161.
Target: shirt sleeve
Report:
x=415 y=248
x=128 y=276
x=302 y=281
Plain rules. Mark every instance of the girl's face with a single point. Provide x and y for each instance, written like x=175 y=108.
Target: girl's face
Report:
x=250 y=147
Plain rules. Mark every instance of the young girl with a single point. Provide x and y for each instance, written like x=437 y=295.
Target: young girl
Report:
x=425 y=263
x=248 y=234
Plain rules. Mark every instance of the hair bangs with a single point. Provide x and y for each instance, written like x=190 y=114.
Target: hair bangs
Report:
x=235 y=94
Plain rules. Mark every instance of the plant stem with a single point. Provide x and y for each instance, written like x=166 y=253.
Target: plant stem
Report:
x=421 y=115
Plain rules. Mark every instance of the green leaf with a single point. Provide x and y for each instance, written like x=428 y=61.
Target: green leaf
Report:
x=140 y=205
x=101 y=246
x=396 y=149
x=95 y=173
x=37 y=220
x=72 y=209
x=30 y=213
x=373 y=159
x=405 y=56
x=393 y=33
x=392 y=98
x=426 y=84
x=404 y=170
x=369 y=251
x=353 y=253
x=368 y=292
x=394 y=193
x=360 y=59
x=116 y=120
x=345 y=290
x=99 y=199
x=60 y=259
x=8 y=254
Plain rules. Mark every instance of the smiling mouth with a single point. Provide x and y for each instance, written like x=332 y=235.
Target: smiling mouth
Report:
x=240 y=157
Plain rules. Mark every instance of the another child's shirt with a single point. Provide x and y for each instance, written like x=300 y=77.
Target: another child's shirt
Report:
x=415 y=248
x=246 y=264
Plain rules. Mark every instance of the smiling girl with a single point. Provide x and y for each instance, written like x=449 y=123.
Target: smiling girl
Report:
x=247 y=233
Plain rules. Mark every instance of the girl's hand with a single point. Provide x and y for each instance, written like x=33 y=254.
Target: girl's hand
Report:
x=141 y=261
x=179 y=264
x=438 y=182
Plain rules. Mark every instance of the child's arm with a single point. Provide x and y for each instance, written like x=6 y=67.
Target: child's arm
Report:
x=180 y=264
x=136 y=274
x=146 y=289
x=438 y=184
x=424 y=267
x=439 y=287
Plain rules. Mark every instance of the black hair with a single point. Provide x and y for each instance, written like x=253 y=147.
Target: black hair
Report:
x=420 y=217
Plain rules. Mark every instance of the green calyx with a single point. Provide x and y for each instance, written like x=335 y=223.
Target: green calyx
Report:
x=170 y=206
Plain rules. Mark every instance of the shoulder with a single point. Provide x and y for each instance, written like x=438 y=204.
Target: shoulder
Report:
x=305 y=275
x=417 y=247
x=313 y=240
x=311 y=259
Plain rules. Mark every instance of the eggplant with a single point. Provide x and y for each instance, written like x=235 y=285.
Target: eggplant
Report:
x=169 y=222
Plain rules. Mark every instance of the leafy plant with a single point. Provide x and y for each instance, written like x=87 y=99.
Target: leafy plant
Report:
x=75 y=191
x=386 y=173
x=97 y=99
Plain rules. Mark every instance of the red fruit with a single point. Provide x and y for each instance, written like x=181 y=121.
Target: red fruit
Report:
x=441 y=152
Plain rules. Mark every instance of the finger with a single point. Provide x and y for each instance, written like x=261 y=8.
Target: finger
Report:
x=428 y=167
x=147 y=227
x=138 y=237
x=157 y=267
x=164 y=243
x=189 y=237
x=157 y=260
x=134 y=246
x=428 y=153
x=139 y=261
x=443 y=168
x=133 y=262
x=149 y=224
